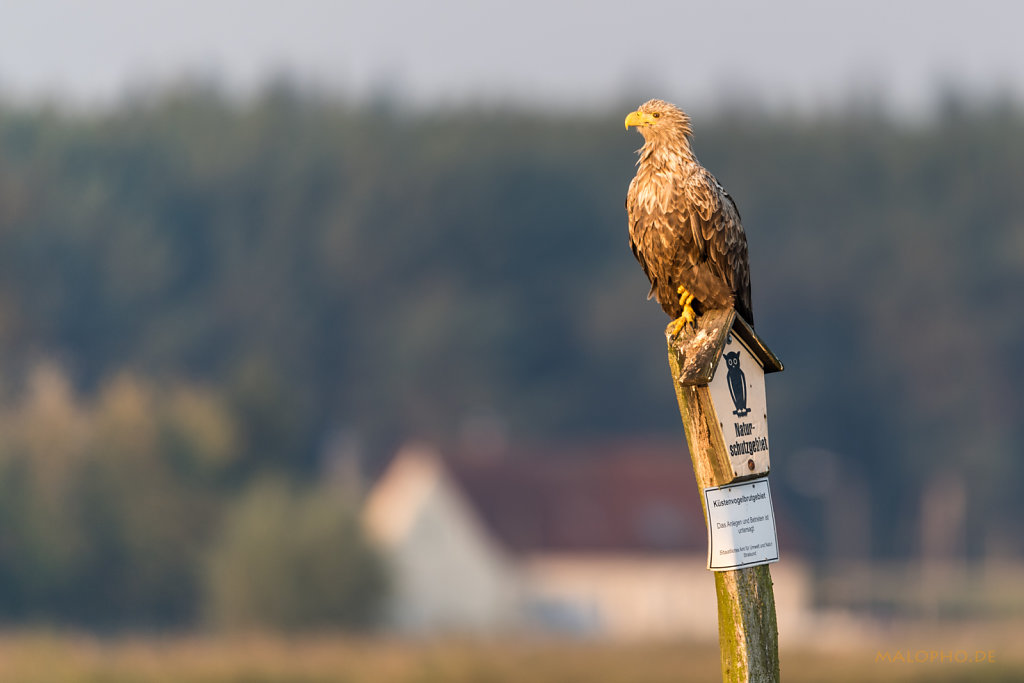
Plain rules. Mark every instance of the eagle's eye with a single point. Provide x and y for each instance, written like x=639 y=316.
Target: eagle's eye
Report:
x=656 y=114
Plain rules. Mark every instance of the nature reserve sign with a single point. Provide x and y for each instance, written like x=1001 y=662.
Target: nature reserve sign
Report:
x=738 y=395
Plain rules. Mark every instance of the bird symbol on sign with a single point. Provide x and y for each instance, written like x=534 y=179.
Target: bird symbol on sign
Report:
x=737 y=384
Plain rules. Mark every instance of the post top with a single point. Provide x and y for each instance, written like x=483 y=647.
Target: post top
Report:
x=700 y=349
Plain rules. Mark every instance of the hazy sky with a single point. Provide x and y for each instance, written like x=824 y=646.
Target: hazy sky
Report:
x=542 y=51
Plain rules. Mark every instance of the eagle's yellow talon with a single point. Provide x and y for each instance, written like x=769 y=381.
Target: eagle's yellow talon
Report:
x=685 y=298
x=688 y=317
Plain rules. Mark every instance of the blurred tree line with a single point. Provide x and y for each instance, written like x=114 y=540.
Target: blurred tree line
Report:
x=200 y=298
x=117 y=510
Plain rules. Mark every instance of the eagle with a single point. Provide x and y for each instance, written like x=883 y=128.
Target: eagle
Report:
x=684 y=229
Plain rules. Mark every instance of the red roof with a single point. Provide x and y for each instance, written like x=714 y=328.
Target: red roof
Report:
x=616 y=497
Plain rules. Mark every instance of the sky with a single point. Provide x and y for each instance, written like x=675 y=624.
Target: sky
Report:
x=545 y=53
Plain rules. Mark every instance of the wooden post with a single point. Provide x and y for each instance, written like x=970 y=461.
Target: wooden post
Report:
x=747 y=627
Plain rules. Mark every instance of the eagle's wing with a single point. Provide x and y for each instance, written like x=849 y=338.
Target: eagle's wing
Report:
x=659 y=236
x=737 y=263
x=716 y=227
x=639 y=229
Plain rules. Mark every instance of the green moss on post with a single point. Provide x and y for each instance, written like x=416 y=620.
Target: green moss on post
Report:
x=747 y=628
x=748 y=633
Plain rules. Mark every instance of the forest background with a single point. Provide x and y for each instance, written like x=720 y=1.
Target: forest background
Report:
x=210 y=307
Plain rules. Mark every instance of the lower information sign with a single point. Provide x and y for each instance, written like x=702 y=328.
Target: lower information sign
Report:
x=741 y=525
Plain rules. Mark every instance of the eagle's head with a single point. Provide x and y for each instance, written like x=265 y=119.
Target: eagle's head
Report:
x=659 y=121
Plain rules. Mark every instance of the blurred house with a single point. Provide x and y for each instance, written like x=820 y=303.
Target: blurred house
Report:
x=607 y=544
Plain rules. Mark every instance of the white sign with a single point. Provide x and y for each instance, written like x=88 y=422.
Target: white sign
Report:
x=737 y=392
x=741 y=525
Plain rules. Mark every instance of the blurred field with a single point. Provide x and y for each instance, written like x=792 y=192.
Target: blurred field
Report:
x=62 y=658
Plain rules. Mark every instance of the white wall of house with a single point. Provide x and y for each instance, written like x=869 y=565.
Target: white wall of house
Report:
x=448 y=574
x=622 y=596
x=644 y=596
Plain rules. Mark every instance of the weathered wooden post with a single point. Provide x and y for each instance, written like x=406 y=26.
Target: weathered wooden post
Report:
x=723 y=409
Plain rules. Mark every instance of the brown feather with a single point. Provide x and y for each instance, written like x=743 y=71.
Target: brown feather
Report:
x=684 y=229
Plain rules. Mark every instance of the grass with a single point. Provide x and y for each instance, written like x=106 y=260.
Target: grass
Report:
x=65 y=658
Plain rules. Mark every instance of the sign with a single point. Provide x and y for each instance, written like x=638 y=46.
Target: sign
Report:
x=737 y=392
x=741 y=525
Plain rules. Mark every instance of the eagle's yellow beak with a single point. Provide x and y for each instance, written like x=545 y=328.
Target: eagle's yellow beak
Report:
x=638 y=118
